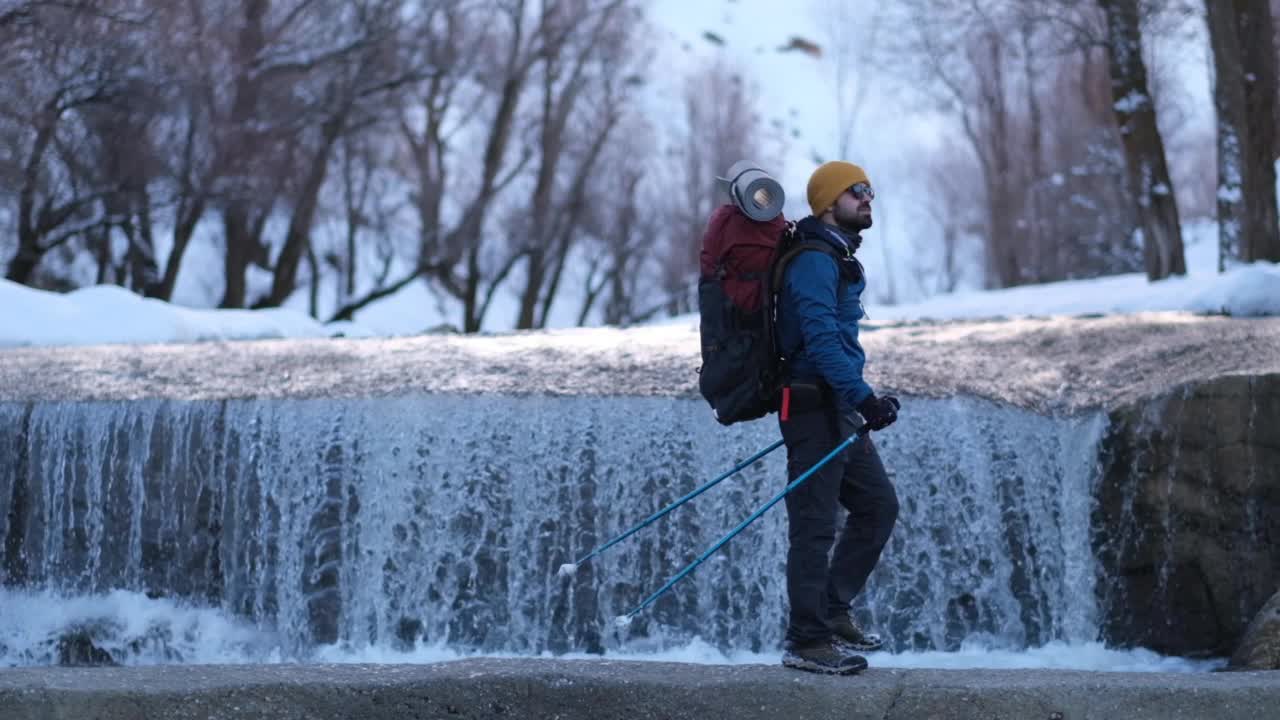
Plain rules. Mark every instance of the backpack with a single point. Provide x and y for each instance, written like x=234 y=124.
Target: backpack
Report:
x=741 y=265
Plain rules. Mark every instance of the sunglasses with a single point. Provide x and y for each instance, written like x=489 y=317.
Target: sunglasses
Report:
x=862 y=190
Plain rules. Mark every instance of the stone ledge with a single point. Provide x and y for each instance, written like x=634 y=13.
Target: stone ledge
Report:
x=1044 y=364
x=600 y=690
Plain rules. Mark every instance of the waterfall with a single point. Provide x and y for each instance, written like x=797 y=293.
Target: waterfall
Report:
x=441 y=519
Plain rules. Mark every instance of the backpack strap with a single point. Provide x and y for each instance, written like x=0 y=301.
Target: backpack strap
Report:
x=774 y=290
x=780 y=268
x=773 y=287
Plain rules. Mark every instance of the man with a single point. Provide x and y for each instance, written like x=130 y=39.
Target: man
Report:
x=819 y=306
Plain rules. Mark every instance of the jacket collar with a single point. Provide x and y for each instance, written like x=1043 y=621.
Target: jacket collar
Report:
x=846 y=243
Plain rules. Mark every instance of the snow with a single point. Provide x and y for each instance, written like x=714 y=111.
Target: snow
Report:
x=1132 y=102
x=111 y=314
x=1244 y=291
x=107 y=314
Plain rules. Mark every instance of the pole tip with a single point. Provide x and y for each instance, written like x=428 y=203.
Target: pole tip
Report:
x=622 y=621
x=568 y=570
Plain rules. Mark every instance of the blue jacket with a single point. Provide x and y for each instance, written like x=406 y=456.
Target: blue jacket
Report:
x=817 y=321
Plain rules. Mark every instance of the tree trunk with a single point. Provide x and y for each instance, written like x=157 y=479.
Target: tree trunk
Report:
x=237 y=214
x=191 y=204
x=1258 y=50
x=535 y=277
x=313 y=297
x=472 y=318
x=1003 y=207
x=1232 y=130
x=141 y=257
x=188 y=217
x=1041 y=260
x=1147 y=170
x=29 y=251
x=99 y=239
x=238 y=236
x=298 y=237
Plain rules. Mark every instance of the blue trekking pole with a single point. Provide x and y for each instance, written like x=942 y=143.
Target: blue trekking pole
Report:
x=569 y=569
x=625 y=620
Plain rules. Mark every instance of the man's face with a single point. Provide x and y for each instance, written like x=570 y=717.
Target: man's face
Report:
x=853 y=208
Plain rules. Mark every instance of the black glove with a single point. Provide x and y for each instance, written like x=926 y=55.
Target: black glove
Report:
x=879 y=413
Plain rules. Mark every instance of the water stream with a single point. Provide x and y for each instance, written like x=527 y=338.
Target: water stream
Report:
x=247 y=530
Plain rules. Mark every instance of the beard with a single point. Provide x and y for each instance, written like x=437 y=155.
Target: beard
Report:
x=854 y=222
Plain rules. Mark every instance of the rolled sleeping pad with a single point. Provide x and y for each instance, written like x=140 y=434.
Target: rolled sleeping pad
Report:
x=754 y=191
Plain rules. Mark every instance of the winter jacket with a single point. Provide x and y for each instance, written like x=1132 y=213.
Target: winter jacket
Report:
x=819 y=306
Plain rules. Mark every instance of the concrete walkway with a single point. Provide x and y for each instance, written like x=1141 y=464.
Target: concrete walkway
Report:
x=602 y=690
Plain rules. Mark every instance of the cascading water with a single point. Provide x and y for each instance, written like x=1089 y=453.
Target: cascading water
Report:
x=441 y=520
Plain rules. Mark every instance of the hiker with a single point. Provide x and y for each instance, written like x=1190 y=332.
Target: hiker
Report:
x=819 y=306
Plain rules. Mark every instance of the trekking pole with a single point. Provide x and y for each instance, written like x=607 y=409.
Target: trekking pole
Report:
x=624 y=620
x=569 y=569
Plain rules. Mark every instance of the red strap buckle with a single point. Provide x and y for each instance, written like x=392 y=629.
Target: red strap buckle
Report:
x=785 y=412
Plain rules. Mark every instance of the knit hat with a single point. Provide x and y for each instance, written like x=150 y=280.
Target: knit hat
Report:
x=830 y=180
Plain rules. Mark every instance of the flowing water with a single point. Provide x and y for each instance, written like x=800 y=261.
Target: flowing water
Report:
x=431 y=527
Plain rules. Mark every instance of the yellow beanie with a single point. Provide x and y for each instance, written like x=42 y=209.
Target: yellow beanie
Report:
x=830 y=180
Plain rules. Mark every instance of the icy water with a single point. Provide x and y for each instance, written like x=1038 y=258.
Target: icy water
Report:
x=137 y=630
x=427 y=528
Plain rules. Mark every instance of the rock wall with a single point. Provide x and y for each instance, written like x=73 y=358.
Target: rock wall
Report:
x=1260 y=649
x=1187 y=525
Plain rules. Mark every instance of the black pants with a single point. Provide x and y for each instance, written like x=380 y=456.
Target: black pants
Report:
x=818 y=588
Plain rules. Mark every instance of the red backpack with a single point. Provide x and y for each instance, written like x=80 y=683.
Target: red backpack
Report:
x=739 y=252
x=741 y=263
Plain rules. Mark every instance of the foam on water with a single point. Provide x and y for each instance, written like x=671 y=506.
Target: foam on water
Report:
x=138 y=630
x=135 y=629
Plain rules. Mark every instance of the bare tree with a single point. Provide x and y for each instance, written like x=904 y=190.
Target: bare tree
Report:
x=851 y=44
x=719 y=128
x=351 y=84
x=583 y=71
x=1244 y=60
x=1004 y=71
x=969 y=53
x=956 y=205
x=455 y=256
x=271 y=68
x=119 y=153
x=619 y=228
x=62 y=61
x=252 y=143
x=1082 y=195
x=1275 y=39
x=430 y=120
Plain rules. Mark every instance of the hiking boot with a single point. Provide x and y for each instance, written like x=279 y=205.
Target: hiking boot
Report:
x=847 y=634
x=823 y=657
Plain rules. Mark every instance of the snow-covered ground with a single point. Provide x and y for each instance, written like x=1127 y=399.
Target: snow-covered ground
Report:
x=1243 y=291
x=110 y=314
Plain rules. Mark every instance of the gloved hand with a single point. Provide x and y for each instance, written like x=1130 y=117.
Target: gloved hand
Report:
x=879 y=413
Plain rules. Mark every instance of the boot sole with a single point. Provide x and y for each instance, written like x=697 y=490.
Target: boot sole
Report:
x=798 y=663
